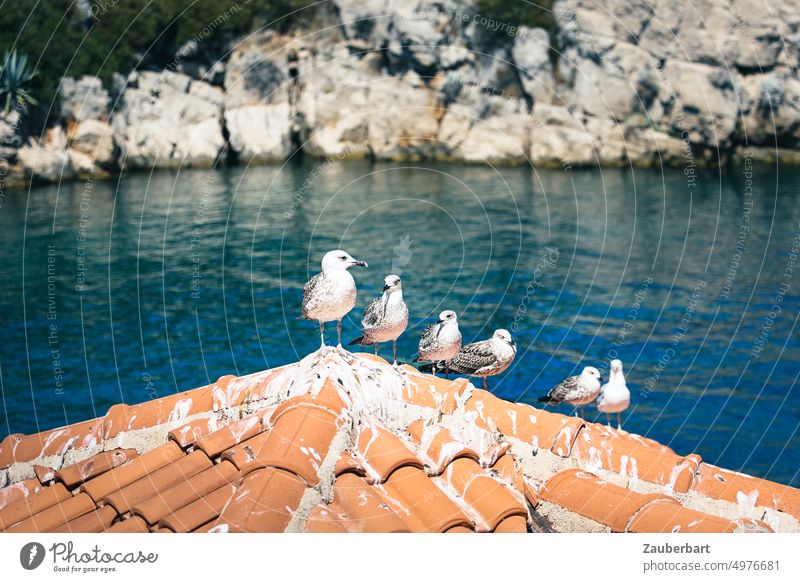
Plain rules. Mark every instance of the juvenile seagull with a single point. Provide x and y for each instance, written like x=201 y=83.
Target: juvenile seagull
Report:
x=614 y=395
x=441 y=341
x=485 y=358
x=385 y=318
x=576 y=390
x=331 y=294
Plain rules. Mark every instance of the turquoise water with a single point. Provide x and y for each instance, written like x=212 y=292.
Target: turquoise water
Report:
x=130 y=289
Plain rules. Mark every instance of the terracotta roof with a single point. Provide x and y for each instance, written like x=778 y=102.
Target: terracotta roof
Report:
x=348 y=443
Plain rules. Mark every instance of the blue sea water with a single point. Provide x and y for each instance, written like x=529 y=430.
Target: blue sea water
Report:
x=126 y=290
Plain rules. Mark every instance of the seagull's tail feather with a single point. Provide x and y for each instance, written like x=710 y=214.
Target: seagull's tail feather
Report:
x=545 y=399
x=361 y=341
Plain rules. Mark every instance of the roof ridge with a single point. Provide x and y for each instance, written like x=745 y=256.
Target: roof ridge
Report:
x=297 y=430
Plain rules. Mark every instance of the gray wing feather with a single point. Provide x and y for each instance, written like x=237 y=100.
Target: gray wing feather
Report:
x=563 y=390
x=308 y=291
x=428 y=337
x=473 y=357
x=372 y=314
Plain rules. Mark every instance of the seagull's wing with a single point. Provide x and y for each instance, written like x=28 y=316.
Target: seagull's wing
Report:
x=563 y=390
x=308 y=292
x=428 y=337
x=372 y=314
x=473 y=357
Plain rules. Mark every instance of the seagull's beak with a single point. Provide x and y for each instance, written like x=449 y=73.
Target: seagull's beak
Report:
x=512 y=343
x=385 y=287
x=441 y=327
x=360 y=263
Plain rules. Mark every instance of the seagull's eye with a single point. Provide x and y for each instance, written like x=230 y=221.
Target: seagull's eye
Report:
x=343 y=258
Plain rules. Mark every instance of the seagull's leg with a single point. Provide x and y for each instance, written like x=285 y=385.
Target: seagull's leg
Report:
x=376 y=348
x=619 y=420
x=447 y=370
x=575 y=411
x=321 y=335
x=485 y=383
x=583 y=412
x=608 y=420
x=339 y=331
x=394 y=347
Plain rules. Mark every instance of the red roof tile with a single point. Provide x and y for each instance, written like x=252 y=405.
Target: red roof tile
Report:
x=265 y=502
x=124 y=499
x=55 y=515
x=594 y=498
x=633 y=457
x=140 y=467
x=183 y=492
x=383 y=452
x=199 y=512
x=24 y=508
x=356 y=507
x=94 y=466
x=353 y=444
x=745 y=490
x=18 y=490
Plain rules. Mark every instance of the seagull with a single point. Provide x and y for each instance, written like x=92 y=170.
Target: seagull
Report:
x=441 y=341
x=385 y=318
x=576 y=390
x=614 y=395
x=485 y=358
x=331 y=294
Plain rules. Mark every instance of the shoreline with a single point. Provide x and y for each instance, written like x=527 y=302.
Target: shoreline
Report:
x=758 y=158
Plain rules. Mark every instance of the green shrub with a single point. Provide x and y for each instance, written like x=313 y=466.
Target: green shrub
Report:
x=125 y=34
x=15 y=75
x=535 y=14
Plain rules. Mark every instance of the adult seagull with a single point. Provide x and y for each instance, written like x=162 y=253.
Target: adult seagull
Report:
x=331 y=294
x=614 y=394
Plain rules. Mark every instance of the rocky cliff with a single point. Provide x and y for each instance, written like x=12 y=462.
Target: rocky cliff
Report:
x=642 y=82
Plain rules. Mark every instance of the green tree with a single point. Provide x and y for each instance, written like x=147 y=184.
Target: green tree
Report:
x=532 y=13
x=121 y=35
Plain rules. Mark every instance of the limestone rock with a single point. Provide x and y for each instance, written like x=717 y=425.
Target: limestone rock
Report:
x=47 y=160
x=558 y=138
x=531 y=54
x=335 y=104
x=167 y=119
x=84 y=99
x=403 y=120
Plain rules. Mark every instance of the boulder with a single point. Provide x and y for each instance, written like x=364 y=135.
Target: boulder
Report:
x=92 y=145
x=772 y=109
x=559 y=139
x=334 y=104
x=703 y=102
x=167 y=119
x=531 y=55
x=83 y=99
x=259 y=84
x=403 y=119
x=480 y=127
x=260 y=132
x=10 y=135
x=48 y=159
